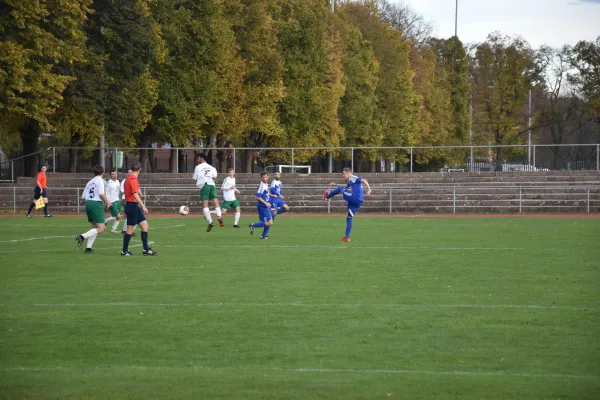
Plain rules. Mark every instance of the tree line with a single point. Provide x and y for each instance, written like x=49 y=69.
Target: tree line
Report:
x=277 y=73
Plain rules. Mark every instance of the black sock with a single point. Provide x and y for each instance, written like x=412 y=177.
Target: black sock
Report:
x=145 y=240
x=126 y=239
x=45 y=210
x=30 y=208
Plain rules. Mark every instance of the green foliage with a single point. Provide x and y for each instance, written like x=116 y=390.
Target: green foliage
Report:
x=585 y=57
x=311 y=50
x=397 y=102
x=125 y=38
x=358 y=108
x=436 y=125
x=452 y=57
x=256 y=35
x=504 y=71
x=38 y=38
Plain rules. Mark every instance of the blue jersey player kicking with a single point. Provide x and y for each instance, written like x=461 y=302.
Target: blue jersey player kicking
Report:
x=353 y=195
x=263 y=206
x=278 y=206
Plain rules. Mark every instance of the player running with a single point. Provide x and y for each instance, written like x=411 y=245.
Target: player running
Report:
x=353 y=195
x=40 y=190
x=204 y=175
x=94 y=197
x=263 y=206
x=113 y=187
x=135 y=210
x=278 y=206
x=229 y=201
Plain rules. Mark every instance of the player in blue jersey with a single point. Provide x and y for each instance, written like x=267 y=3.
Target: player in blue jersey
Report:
x=278 y=206
x=263 y=206
x=353 y=195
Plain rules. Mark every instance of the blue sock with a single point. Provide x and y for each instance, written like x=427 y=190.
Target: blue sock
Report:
x=145 y=240
x=126 y=239
x=260 y=224
x=280 y=211
x=335 y=191
x=348 y=226
x=274 y=215
x=266 y=230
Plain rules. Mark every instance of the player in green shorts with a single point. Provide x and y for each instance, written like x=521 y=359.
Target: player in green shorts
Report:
x=95 y=198
x=230 y=202
x=204 y=175
x=113 y=189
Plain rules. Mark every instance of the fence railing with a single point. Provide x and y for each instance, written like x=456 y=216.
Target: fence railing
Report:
x=320 y=159
x=390 y=199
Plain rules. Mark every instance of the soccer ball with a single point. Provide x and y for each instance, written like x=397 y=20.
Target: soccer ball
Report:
x=184 y=210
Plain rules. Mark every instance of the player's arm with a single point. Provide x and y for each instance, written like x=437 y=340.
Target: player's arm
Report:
x=367 y=185
x=260 y=199
x=105 y=199
x=39 y=184
x=140 y=202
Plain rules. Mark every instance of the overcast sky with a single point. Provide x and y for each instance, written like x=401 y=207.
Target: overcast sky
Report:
x=551 y=22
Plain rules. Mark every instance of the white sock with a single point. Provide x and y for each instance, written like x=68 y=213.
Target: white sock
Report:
x=109 y=219
x=218 y=210
x=90 y=233
x=90 y=241
x=115 y=226
x=214 y=212
x=237 y=218
x=206 y=213
x=125 y=225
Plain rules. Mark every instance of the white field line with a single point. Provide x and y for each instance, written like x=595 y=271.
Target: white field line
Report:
x=54 y=250
x=294 y=370
x=36 y=238
x=344 y=247
x=70 y=236
x=307 y=305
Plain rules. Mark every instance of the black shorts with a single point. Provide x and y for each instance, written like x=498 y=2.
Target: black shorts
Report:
x=134 y=214
x=37 y=193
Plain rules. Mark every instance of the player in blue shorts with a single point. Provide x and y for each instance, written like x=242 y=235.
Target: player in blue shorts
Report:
x=353 y=195
x=263 y=206
x=278 y=206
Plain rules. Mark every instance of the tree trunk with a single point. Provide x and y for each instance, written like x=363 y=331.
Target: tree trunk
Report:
x=30 y=133
x=173 y=161
x=74 y=154
x=249 y=161
x=182 y=163
x=145 y=141
x=152 y=160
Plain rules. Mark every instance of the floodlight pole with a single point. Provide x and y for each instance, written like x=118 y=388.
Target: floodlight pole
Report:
x=456 y=20
x=333 y=5
x=529 y=132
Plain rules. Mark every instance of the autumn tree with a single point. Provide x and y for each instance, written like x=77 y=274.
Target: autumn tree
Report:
x=503 y=72
x=37 y=38
x=397 y=103
x=452 y=57
x=358 y=106
x=311 y=49
x=256 y=35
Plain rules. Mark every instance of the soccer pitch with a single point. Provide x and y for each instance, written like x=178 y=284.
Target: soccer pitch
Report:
x=412 y=308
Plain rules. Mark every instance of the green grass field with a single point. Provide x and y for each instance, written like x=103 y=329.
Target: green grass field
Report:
x=412 y=308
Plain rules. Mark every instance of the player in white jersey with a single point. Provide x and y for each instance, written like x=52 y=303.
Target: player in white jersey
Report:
x=129 y=172
x=95 y=198
x=229 y=201
x=204 y=175
x=113 y=188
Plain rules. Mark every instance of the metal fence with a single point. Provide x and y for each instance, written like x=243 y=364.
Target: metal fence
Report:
x=320 y=159
x=385 y=199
